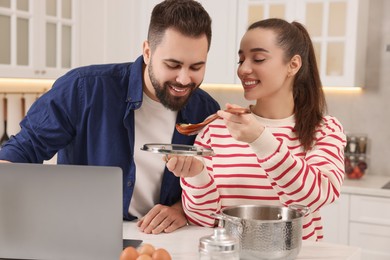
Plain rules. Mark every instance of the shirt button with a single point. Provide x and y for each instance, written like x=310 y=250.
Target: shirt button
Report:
x=129 y=183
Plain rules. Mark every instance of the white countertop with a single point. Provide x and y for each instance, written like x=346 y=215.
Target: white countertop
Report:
x=183 y=244
x=368 y=185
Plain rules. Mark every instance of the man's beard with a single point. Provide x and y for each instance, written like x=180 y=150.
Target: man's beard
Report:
x=162 y=92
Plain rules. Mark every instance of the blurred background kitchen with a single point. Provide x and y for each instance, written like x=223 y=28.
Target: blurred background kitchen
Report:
x=42 y=39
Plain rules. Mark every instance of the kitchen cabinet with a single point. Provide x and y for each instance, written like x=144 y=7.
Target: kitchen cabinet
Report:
x=40 y=43
x=361 y=218
x=223 y=54
x=38 y=38
x=111 y=32
x=121 y=26
x=338 y=29
x=339 y=65
x=370 y=226
x=336 y=220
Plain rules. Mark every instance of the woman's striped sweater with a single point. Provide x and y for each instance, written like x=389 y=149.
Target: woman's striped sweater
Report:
x=273 y=170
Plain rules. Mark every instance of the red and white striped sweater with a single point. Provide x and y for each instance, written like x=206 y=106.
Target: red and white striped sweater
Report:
x=273 y=170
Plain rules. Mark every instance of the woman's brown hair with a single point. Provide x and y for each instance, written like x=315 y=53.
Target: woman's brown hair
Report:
x=309 y=98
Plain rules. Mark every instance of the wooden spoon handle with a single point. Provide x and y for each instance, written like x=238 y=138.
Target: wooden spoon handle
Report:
x=238 y=110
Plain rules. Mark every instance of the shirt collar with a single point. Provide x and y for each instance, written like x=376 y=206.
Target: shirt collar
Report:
x=135 y=90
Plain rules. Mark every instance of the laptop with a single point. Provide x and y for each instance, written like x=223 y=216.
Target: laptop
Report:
x=60 y=212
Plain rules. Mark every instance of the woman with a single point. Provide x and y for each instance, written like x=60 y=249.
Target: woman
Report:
x=286 y=152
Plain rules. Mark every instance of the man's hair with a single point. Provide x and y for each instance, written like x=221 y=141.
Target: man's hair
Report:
x=185 y=16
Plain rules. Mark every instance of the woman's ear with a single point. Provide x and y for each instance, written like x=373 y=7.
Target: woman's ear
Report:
x=146 y=52
x=294 y=65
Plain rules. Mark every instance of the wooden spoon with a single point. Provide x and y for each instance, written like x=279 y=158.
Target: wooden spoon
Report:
x=193 y=129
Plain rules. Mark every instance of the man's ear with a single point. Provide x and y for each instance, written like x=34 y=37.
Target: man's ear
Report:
x=146 y=52
x=294 y=65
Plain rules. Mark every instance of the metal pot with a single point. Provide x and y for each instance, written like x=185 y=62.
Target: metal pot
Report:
x=265 y=232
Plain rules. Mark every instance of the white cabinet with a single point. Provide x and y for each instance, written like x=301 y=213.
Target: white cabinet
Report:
x=335 y=220
x=338 y=29
x=223 y=54
x=362 y=221
x=373 y=239
x=45 y=38
x=121 y=26
x=113 y=31
x=370 y=226
x=38 y=38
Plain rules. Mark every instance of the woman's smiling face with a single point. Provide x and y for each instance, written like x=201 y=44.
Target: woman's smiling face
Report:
x=263 y=71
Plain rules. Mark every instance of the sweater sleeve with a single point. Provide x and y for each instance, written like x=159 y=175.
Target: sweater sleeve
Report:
x=312 y=180
x=200 y=196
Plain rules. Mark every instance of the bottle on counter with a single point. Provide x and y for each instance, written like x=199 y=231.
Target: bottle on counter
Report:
x=219 y=246
x=352 y=145
x=362 y=144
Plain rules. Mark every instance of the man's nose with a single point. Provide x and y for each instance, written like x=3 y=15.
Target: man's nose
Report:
x=184 y=77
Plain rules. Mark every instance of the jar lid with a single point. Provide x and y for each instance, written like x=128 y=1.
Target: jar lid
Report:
x=219 y=241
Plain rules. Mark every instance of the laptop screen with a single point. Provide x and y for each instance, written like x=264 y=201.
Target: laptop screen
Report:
x=60 y=212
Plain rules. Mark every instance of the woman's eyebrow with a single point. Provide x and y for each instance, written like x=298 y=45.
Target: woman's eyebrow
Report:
x=259 y=50
x=255 y=50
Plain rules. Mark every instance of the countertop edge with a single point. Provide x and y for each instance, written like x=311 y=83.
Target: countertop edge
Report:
x=369 y=185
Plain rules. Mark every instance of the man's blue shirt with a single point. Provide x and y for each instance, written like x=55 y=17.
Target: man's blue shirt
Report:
x=88 y=118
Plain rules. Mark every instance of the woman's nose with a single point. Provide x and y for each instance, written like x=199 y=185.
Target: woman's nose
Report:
x=244 y=69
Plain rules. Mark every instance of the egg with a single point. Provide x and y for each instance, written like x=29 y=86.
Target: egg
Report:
x=144 y=257
x=146 y=249
x=129 y=253
x=161 y=254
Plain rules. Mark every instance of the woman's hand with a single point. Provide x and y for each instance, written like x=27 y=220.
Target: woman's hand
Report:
x=184 y=166
x=244 y=128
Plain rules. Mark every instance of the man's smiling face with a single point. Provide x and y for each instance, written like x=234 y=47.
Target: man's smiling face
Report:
x=175 y=68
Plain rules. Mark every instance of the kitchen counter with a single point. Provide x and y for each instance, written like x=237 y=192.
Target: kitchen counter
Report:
x=183 y=244
x=368 y=185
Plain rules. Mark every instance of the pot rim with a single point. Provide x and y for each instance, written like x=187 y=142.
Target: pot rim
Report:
x=301 y=210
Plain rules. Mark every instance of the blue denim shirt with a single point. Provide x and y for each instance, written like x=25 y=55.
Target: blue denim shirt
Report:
x=88 y=118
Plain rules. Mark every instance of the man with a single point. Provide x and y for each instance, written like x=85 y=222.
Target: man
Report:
x=103 y=114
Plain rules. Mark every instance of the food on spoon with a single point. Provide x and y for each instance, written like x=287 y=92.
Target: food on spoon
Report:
x=192 y=129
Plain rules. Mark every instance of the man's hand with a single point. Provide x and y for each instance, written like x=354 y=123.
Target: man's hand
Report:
x=184 y=166
x=163 y=219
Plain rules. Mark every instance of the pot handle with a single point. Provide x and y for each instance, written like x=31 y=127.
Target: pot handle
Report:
x=300 y=208
x=236 y=222
x=225 y=218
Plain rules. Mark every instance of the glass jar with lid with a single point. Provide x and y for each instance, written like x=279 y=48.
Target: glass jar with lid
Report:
x=219 y=246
